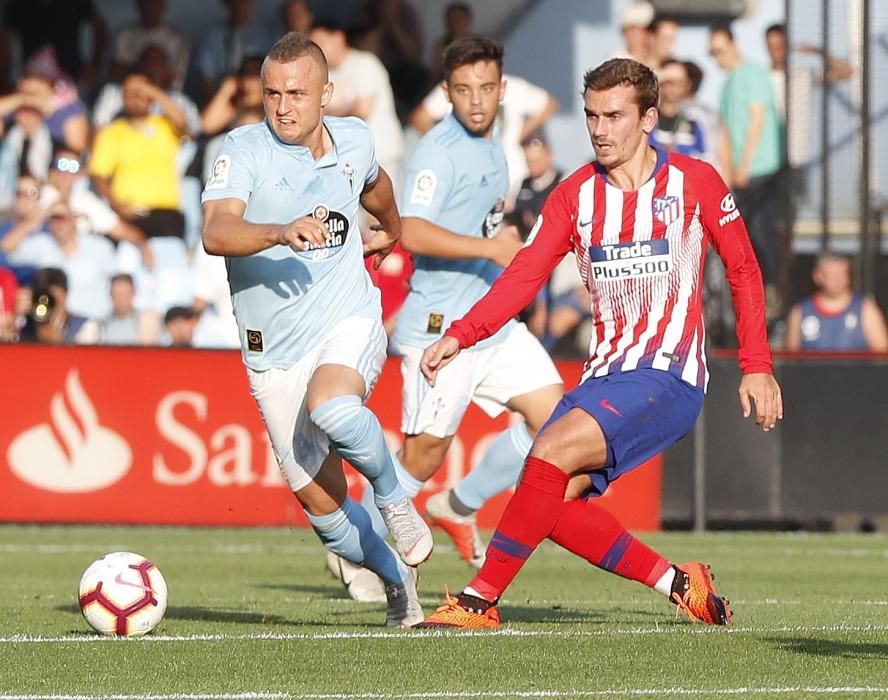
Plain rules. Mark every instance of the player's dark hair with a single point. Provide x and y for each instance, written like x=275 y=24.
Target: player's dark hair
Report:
x=470 y=50
x=722 y=28
x=779 y=28
x=294 y=45
x=625 y=71
x=695 y=75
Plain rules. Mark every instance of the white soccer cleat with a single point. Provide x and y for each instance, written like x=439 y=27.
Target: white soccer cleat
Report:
x=462 y=529
x=412 y=535
x=403 y=608
x=362 y=584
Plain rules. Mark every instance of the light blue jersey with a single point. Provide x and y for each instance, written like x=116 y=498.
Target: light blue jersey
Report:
x=457 y=181
x=286 y=301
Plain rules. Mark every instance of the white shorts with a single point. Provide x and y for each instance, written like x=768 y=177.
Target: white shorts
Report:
x=489 y=377
x=282 y=394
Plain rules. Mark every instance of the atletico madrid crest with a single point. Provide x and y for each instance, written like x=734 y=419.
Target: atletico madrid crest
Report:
x=667 y=209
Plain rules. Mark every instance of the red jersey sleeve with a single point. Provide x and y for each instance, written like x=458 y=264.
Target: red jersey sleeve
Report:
x=727 y=232
x=547 y=244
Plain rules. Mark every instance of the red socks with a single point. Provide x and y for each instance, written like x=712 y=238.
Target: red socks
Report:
x=528 y=519
x=590 y=531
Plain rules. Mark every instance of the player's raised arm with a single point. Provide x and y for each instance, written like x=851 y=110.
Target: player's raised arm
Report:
x=378 y=198
x=729 y=237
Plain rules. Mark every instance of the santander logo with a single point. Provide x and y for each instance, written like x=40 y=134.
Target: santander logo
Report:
x=72 y=453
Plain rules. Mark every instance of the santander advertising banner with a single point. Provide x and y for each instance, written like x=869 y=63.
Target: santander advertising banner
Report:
x=169 y=436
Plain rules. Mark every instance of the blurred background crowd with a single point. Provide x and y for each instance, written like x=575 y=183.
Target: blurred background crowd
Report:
x=106 y=138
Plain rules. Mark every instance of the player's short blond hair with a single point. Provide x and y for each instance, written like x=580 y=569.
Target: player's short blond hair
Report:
x=294 y=45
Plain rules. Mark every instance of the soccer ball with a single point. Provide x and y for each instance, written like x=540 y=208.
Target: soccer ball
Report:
x=123 y=594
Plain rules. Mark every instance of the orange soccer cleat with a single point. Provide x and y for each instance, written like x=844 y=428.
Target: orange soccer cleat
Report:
x=463 y=612
x=462 y=529
x=694 y=592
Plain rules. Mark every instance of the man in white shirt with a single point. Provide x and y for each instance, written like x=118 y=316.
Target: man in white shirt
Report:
x=87 y=260
x=524 y=109
x=361 y=88
x=68 y=183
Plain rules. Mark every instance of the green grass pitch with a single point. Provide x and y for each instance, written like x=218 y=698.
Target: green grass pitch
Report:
x=254 y=615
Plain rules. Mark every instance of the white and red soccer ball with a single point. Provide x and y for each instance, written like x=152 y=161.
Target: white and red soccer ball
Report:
x=123 y=594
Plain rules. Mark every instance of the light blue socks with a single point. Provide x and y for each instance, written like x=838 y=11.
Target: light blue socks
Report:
x=356 y=434
x=349 y=533
x=498 y=470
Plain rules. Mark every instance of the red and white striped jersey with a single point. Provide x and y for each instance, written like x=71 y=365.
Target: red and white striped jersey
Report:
x=641 y=256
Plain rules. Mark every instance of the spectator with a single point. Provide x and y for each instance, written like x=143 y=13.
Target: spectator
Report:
x=834 y=317
x=750 y=153
x=391 y=30
x=8 y=297
x=239 y=97
x=804 y=74
x=676 y=130
x=150 y=30
x=706 y=117
x=134 y=166
x=458 y=23
x=48 y=319
x=55 y=24
x=225 y=46
x=525 y=109
x=801 y=85
x=541 y=180
x=86 y=259
x=635 y=22
x=361 y=88
x=179 y=323
x=27 y=218
x=663 y=32
x=237 y=102
x=26 y=148
x=125 y=325
x=216 y=327
x=153 y=63
x=542 y=176
x=63 y=112
x=297 y=16
x=68 y=183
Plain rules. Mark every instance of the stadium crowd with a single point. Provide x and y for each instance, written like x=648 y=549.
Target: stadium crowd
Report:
x=104 y=155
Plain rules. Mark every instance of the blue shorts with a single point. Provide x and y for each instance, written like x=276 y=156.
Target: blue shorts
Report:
x=641 y=412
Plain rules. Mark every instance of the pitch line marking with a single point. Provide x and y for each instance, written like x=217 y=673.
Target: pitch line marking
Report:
x=425 y=634
x=432 y=695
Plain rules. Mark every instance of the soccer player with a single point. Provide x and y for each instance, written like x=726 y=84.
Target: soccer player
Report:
x=452 y=209
x=282 y=207
x=639 y=221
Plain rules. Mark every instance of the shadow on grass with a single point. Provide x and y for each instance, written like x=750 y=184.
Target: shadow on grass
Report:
x=334 y=590
x=831 y=647
x=524 y=613
x=197 y=613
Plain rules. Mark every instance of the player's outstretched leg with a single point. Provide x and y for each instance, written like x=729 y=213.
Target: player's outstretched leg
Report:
x=454 y=510
x=588 y=530
x=356 y=434
x=347 y=532
x=528 y=519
